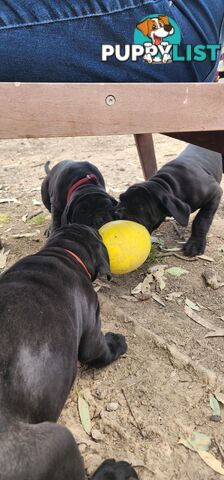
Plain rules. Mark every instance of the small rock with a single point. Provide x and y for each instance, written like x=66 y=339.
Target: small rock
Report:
x=112 y=407
x=96 y=435
x=215 y=418
x=82 y=448
x=99 y=394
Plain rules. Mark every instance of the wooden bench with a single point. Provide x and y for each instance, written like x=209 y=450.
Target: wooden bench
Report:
x=190 y=112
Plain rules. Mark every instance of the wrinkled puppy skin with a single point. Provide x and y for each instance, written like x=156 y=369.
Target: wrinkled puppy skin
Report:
x=179 y=188
x=89 y=204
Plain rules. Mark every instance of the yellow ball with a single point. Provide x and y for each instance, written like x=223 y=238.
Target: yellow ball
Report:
x=128 y=245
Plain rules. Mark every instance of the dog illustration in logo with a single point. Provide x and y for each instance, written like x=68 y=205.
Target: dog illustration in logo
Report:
x=157 y=29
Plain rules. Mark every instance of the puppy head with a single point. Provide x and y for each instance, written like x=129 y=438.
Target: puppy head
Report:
x=111 y=470
x=90 y=206
x=147 y=26
x=86 y=243
x=138 y=205
x=149 y=203
x=156 y=27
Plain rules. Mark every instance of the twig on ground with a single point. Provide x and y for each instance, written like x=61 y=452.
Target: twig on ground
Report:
x=220 y=449
x=178 y=231
x=174 y=254
x=132 y=414
x=33 y=215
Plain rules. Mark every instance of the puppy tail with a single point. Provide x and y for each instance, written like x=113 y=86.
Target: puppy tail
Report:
x=46 y=167
x=44 y=450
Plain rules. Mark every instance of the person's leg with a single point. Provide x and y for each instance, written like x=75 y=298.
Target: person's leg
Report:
x=56 y=41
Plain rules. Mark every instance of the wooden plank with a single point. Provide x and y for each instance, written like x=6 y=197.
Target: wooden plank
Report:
x=146 y=151
x=211 y=140
x=54 y=110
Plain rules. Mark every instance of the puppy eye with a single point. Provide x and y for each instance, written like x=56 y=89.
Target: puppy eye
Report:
x=154 y=27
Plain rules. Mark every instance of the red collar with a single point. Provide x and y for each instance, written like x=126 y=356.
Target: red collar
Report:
x=89 y=179
x=78 y=259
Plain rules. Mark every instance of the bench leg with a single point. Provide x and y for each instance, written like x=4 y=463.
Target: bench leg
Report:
x=146 y=152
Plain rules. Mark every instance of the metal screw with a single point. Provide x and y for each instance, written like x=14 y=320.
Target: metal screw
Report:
x=110 y=100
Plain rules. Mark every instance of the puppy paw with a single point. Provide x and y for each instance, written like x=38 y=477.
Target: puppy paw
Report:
x=194 y=247
x=117 y=344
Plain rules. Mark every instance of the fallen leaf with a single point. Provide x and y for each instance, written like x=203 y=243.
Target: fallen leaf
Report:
x=84 y=414
x=129 y=298
x=198 y=442
x=150 y=278
x=102 y=284
x=36 y=202
x=158 y=274
x=24 y=218
x=215 y=333
x=97 y=288
x=162 y=284
x=4 y=218
x=211 y=279
x=37 y=219
x=216 y=412
x=198 y=319
x=206 y=258
x=96 y=435
x=173 y=295
x=157 y=241
x=192 y=305
x=137 y=289
x=212 y=462
x=26 y=235
x=3 y=258
x=158 y=299
x=10 y=200
x=36 y=189
x=177 y=271
x=156 y=268
x=146 y=288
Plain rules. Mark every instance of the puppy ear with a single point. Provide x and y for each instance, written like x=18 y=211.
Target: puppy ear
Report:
x=164 y=19
x=65 y=215
x=103 y=267
x=145 y=27
x=177 y=209
x=104 y=270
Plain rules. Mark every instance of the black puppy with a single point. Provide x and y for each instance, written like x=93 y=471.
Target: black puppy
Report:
x=182 y=186
x=112 y=470
x=74 y=192
x=50 y=320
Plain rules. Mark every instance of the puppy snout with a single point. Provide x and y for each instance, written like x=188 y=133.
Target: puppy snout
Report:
x=120 y=212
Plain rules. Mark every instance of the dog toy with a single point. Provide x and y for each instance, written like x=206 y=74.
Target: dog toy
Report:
x=128 y=245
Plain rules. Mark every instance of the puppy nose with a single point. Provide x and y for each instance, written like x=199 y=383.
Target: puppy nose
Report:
x=168 y=28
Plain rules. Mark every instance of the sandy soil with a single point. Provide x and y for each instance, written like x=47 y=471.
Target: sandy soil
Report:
x=161 y=387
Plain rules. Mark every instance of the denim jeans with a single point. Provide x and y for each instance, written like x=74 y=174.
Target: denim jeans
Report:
x=61 y=41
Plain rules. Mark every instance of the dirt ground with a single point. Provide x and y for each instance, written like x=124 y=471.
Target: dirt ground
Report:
x=160 y=389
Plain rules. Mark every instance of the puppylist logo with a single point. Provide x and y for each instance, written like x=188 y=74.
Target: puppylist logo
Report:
x=157 y=40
